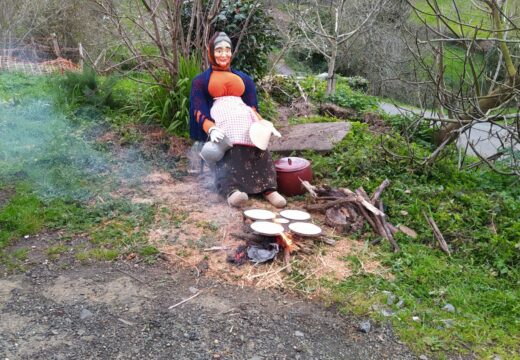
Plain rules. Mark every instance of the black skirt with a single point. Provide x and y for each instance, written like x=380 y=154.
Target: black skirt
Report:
x=245 y=168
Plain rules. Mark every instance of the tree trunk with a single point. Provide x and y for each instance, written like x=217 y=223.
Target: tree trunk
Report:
x=331 y=80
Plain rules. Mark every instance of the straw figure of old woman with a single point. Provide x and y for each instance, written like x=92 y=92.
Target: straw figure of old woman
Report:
x=223 y=106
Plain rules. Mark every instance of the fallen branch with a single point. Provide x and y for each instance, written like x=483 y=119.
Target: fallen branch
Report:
x=377 y=194
x=386 y=227
x=185 y=300
x=310 y=188
x=217 y=248
x=322 y=207
x=437 y=234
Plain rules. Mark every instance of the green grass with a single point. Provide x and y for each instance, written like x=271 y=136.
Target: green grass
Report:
x=469 y=14
x=15 y=87
x=476 y=212
x=58 y=179
x=312 y=119
x=487 y=311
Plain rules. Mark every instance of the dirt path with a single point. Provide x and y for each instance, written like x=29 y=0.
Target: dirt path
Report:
x=122 y=311
x=61 y=309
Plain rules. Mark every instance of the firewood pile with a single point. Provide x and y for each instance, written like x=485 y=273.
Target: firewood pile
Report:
x=346 y=210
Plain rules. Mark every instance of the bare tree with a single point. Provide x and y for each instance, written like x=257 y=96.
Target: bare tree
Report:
x=478 y=97
x=326 y=26
x=141 y=25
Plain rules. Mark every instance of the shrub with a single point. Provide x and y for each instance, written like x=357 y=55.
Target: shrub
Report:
x=259 y=40
x=87 y=88
x=344 y=97
x=169 y=105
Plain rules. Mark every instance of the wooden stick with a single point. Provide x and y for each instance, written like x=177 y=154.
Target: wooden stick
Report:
x=368 y=218
x=389 y=235
x=185 y=300
x=310 y=188
x=321 y=207
x=327 y=241
x=217 y=248
x=365 y=201
x=287 y=258
x=437 y=234
x=377 y=194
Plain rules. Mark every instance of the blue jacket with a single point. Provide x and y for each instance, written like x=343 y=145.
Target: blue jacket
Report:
x=201 y=101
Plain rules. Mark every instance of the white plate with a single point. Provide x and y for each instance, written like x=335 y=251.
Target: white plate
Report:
x=305 y=229
x=297 y=215
x=267 y=228
x=281 y=221
x=259 y=214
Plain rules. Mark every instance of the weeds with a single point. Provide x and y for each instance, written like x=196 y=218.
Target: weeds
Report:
x=473 y=210
x=168 y=102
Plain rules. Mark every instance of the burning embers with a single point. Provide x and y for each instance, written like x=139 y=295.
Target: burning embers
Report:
x=285 y=240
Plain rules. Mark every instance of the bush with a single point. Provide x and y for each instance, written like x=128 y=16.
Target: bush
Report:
x=344 y=97
x=259 y=40
x=169 y=105
x=87 y=88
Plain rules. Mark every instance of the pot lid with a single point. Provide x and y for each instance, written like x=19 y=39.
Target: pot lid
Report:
x=291 y=164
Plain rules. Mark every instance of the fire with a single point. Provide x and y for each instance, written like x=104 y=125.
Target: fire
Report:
x=286 y=241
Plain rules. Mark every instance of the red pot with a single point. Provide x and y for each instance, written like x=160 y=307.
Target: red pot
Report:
x=289 y=171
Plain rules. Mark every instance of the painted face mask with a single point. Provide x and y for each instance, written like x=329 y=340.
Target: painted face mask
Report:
x=220 y=50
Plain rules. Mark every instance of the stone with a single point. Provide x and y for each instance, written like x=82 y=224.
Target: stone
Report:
x=191 y=335
x=314 y=136
x=390 y=299
x=449 y=308
x=85 y=314
x=193 y=290
x=386 y=312
x=423 y=357
x=299 y=334
x=365 y=327
x=400 y=303
x=448 y=323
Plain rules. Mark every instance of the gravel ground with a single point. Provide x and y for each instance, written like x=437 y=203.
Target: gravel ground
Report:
x=121 y=311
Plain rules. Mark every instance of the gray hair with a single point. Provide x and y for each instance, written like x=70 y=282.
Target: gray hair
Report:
x=221 y=37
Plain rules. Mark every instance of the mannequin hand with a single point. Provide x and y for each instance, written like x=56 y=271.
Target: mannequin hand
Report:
x=215 y=134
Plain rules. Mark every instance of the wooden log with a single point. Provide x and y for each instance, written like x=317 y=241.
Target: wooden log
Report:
x=336 y=219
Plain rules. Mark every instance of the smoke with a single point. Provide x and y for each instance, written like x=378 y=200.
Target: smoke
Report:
x=39 y=145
